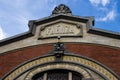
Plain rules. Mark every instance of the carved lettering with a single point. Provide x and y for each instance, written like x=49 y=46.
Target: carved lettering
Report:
x=59 y=29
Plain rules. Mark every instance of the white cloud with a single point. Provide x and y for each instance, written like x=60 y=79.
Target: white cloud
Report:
x=105 y=2
x=97 y=2
x=110 y=16
x=2 y=34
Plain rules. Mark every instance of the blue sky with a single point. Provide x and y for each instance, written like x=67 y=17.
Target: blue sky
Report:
x=15 y=14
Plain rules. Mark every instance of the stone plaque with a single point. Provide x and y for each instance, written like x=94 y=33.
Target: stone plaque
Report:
x=62 y=29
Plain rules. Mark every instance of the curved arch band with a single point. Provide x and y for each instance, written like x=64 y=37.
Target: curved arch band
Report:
x=76 y=63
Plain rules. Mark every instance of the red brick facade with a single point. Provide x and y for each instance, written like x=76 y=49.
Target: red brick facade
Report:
x=106 y=55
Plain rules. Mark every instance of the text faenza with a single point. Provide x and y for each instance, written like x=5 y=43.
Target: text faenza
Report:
x=59 y=29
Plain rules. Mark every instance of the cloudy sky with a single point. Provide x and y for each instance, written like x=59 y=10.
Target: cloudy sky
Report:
x=15 y=14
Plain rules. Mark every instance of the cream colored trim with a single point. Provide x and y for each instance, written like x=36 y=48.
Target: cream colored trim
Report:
x=58 y=66
x=86 y=38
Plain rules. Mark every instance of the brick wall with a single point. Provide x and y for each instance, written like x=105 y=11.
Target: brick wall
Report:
x=106 y=55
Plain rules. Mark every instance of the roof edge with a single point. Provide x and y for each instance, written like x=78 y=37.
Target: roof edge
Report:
x=15 y=38
x=105 y=33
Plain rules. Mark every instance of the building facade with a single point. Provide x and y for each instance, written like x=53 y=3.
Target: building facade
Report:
x=61 y=46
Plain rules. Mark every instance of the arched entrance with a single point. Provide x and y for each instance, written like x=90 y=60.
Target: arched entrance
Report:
x=58 y=74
